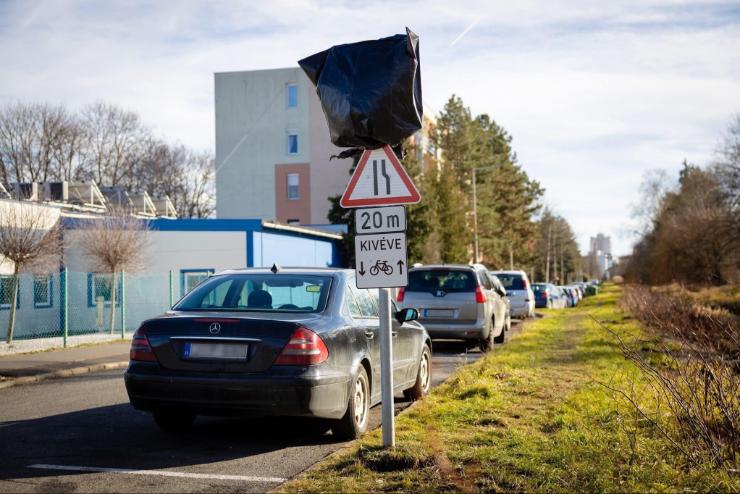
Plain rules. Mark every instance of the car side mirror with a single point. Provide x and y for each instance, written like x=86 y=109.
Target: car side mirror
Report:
x=502 y=292
x=406 y=315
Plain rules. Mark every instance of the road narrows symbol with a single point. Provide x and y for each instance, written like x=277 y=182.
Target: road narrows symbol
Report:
x=379 y=180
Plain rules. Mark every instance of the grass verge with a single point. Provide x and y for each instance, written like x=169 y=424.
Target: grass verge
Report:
x=538 y=414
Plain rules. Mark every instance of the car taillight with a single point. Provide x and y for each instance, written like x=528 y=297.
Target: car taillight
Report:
x=546 y=293
x=140 y=348
x=401 y=295
x=480 y=297
x=304 y=348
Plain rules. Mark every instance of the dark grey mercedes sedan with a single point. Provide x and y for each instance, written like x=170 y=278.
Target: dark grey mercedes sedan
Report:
x=281 y=342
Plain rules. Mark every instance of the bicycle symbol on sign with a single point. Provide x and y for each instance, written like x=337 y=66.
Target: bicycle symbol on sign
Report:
x=381 y=266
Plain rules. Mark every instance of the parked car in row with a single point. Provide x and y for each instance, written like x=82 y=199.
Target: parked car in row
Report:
x=460 y=302
x=570 y=296
x=294 y=342
x=548 y=296
x=519 y=291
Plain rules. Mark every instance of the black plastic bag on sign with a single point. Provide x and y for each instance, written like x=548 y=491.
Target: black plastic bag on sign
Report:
x=370 y=91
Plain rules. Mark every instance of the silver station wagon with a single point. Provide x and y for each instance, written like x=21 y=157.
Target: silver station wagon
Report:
x=458 y=302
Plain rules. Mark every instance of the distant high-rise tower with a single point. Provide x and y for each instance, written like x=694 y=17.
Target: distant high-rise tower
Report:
x=601 y=244
x=601 y=253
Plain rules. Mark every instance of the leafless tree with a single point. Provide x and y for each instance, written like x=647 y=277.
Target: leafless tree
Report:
x=114 y=143
x=115 y=243
x=104 y=143
x=184 y=175
x=30 y=237
x=30 y=140
x=197 y=194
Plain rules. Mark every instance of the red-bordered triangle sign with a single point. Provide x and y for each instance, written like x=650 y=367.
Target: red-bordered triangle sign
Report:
x=379 y=180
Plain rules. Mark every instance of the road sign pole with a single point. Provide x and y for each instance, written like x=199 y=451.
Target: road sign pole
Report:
x=380 y=249
x=386 y=369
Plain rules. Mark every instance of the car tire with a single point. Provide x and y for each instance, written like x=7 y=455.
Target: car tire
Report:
x=174 y=421
x=354 y=422
x=486 y=344
x=501 y=339
x=423 y=377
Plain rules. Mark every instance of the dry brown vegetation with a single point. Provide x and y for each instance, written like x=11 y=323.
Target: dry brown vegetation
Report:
x=697 y=374
x=691 y=230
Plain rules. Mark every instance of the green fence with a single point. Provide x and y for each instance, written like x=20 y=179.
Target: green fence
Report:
x=70 y=303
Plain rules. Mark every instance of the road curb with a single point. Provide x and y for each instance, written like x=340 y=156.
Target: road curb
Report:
x=72 y=372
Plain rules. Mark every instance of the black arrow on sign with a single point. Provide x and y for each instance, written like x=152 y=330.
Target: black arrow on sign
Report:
x=362 y=269
x=400 y=267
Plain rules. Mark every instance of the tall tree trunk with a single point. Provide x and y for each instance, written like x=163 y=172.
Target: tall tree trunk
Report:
x=13 y=303
x=511 y=256
x=113 y=302
x=562 y=267
x=547 y=263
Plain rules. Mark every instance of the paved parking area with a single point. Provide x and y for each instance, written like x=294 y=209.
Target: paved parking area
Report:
x=80 y=434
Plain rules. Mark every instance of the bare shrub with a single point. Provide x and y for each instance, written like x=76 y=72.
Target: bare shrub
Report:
x=677 y=316
x=697 y=377
x=114 y=243
x=30 y=237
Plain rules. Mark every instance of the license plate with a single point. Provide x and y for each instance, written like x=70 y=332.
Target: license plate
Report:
x=446 y=313
x=229 y=351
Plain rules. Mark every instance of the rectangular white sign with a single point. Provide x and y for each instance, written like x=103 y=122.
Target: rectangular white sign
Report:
x=380 y=220
x=380 y=260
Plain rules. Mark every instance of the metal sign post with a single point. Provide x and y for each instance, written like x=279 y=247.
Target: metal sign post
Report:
x=386 y=369
x=380 y=250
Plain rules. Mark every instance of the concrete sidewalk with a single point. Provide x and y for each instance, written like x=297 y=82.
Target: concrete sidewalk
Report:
x=33 y=367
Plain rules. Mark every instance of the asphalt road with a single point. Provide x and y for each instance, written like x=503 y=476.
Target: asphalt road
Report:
x=80 y=434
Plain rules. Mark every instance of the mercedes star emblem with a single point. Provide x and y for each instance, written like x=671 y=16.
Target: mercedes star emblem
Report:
x=214 y=328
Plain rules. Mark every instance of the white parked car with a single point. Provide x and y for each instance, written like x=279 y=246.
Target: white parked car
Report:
x=519 y=291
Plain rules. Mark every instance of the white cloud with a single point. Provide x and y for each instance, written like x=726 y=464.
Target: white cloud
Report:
x=593 y=93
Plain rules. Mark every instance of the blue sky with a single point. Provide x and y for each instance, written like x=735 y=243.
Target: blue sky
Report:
x=595 y=94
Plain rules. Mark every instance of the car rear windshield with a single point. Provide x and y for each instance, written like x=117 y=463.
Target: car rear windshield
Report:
x=448 y=280
x=259 y=292
x=539 y=288
x=511 y=281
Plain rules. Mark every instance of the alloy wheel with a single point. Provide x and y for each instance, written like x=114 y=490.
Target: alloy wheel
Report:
x=424 y=375
x=360 y=412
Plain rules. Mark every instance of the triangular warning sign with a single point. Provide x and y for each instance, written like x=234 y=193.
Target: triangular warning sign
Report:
x=379 y=180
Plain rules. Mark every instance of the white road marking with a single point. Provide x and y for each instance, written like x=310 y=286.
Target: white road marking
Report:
x=161 y=473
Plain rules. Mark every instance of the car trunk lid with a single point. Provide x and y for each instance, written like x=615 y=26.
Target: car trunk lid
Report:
x=220 y=343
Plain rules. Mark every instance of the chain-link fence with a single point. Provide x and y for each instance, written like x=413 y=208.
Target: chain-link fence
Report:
x=66 y=304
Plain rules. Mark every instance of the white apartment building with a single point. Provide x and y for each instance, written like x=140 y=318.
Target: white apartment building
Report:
x=273 y=148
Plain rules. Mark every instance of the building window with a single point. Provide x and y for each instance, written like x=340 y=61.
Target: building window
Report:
x=292 y=90
x=6 y=292
x=292 y=142
x=99 y=289
x=294 y=182
x=190 y=278
x=42 y=291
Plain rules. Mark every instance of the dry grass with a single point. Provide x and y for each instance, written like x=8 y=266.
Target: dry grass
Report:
x=698 y=378
x=720 y=297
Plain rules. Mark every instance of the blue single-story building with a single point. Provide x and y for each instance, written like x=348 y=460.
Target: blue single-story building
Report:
x=182 y=253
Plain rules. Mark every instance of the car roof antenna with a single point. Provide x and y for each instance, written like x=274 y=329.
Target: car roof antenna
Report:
x=275 y=268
